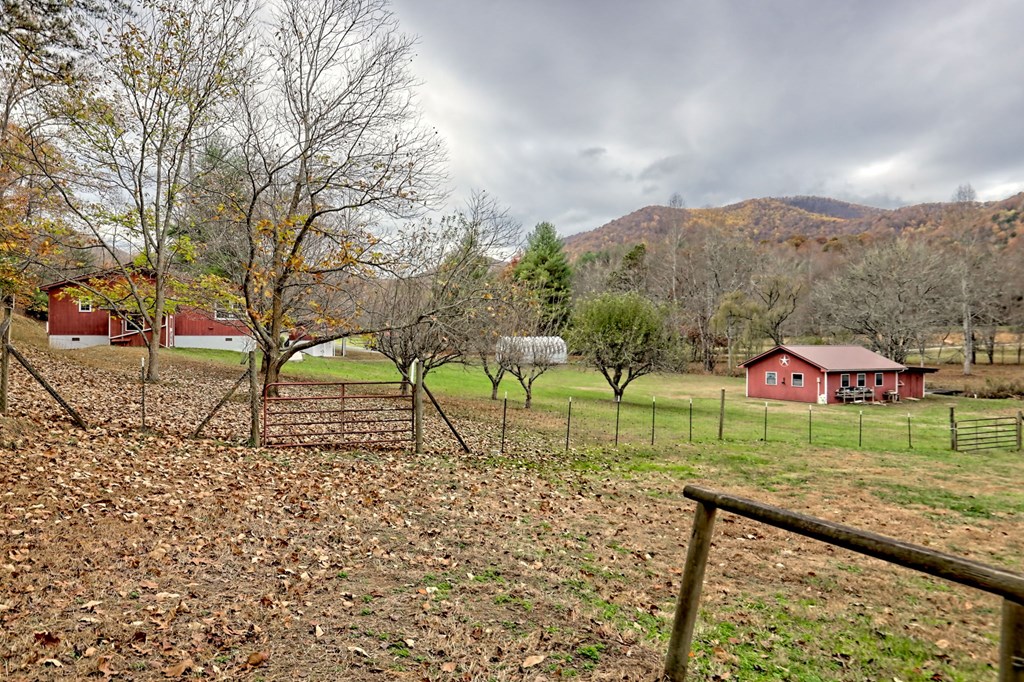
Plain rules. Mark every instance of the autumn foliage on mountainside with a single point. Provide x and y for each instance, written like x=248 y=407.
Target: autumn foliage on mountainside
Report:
x=798 y=219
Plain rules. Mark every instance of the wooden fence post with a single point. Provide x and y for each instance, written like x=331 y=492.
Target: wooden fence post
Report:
x=952 y=427
x=46 y=385
x=417 y=405
x=689 y=593
x=568 y=423
x=1020 y=428
x=654 y=412
x=447 y=421
x=254 y=402
x=222 y=403
x=5 y=357
x=142 y=376
x=1011 y=643
x=721 y=417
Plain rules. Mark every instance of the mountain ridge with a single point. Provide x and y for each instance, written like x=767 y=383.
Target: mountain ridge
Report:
x=801 y=218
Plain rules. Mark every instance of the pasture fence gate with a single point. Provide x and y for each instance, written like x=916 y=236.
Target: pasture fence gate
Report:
x=990 y=433
x=1009 y=586
x=337 y=414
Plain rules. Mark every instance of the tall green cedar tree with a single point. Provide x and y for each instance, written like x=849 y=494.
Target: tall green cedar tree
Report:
x=545 y=268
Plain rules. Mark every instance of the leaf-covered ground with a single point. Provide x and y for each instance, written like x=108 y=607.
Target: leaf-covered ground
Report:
x=137 y=555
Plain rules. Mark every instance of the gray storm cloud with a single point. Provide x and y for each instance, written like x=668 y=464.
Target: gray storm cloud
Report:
x=580 y=112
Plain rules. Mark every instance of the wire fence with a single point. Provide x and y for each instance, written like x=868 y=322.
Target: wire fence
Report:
x=585 y=421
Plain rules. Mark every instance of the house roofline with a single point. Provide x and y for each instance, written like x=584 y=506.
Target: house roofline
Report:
x=92 y=275
x=780 y=347
x=901 y=368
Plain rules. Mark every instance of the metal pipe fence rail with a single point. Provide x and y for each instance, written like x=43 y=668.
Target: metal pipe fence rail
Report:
x=337 y=414
x=991 y=433
x=1009 y=586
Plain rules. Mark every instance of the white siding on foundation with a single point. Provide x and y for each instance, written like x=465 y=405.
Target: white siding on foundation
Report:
x=240 y=343
x=324 y=350
x=70 y=341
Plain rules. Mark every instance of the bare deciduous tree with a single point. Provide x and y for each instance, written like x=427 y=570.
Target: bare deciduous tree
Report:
x=328 y=140
x=777 y=286
x=711 y=266
x=435 y=308
x=165 y=70
x=890 y=294
x=525 y=350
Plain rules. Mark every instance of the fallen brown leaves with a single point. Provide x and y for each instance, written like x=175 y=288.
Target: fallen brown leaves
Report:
x=136 y=556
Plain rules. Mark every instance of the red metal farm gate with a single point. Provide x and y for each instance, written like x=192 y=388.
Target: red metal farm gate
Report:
x=337 y=414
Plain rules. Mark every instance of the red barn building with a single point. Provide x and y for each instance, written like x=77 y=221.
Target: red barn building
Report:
x=830 y=374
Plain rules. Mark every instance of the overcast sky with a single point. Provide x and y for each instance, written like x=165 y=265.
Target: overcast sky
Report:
x=581 y=111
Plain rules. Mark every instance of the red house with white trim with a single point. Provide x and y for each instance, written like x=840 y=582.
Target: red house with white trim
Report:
x=72 y=324
x=831 y=374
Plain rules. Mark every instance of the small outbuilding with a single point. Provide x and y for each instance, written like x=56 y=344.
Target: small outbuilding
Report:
x=831 y=374
x=532 y=350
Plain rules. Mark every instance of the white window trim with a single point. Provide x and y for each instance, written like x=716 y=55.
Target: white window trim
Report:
x=793 y=380
x=879 y=378
x=862 y=380
x=774 y=379
x=84 y=307
x=844 y=381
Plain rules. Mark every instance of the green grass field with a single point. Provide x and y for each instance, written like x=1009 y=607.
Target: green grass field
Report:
x=681 y=408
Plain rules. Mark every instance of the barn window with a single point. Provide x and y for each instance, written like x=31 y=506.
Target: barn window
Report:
x=771 y=378
x=797 y=380
x=84 y=307
x=879 y=378
x=862 y=380
x=844 y=380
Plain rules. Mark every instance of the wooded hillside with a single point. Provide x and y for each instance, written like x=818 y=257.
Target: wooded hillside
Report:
x=795 y=218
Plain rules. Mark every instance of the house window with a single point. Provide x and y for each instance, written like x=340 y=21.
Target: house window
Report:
x=224 y=314
x=862 y=380
x=798 y=380
x=84 y=307
x=879 y=378
x=771 y=378
x=844 y=380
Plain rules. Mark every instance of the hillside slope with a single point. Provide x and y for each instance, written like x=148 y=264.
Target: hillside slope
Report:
x=803 y=217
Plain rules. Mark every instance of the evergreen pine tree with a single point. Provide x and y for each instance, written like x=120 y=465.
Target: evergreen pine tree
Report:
x=545 y=268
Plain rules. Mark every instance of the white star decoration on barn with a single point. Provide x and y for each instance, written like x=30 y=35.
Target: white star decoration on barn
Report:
x=784 y=361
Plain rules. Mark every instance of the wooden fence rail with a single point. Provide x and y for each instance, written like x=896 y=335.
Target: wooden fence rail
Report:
x=1008 y=585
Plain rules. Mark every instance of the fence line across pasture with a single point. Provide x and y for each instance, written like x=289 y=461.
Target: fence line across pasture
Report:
x=587 y=421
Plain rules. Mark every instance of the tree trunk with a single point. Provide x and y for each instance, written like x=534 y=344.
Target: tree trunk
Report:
x=968 y=334
x=406 y=386
x=272 y=374
x=273 y=362
x=494 y=390
x=153 y=350
x=153 y=345
x=728 y=343
x=529 y=396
